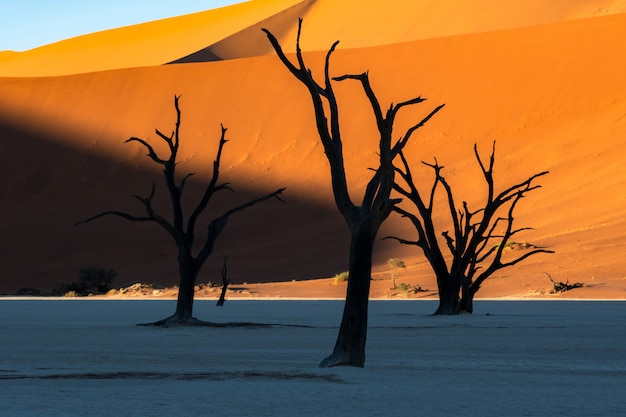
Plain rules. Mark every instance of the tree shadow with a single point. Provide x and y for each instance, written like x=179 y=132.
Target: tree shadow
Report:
x=48 y=186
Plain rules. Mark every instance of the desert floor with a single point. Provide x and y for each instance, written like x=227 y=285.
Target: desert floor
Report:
x=514 y=358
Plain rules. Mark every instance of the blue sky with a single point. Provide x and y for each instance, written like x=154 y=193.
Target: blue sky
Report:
x=26 y=24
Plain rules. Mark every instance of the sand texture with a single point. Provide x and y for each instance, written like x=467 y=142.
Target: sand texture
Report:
x=546 y=82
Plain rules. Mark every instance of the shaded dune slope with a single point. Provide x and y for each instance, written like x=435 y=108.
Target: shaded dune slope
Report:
x=553 y=96
x=61 y=185
x=247 y=42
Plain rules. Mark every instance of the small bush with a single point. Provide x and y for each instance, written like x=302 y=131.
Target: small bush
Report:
x=71 y=294
x=90 y=281
x=402 y=287
x=406 y=289
x=341 y=277
x=96 y=280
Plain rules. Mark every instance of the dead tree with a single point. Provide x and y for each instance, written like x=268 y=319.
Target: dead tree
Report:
x=225 y=282
x=478 y=239
x=363 y=219
x=560 y=286
x=181 y=229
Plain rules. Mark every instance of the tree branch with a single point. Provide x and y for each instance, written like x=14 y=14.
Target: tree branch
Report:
x=402 y=241
x=126 y=216
x=210 y=189
x=218 y=224
x=329 y=137
x=367 y=88
x=405 y=139
x=151 y=153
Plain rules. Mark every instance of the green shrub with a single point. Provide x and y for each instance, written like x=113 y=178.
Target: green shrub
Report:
x=341 y=277
x=394 y=264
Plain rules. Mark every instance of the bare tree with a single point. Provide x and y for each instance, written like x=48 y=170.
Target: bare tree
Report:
x=479 y=238
x=183 y=231
x=363 y=219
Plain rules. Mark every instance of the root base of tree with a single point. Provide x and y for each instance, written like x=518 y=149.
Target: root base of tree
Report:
x=173 y=321
x=343 y=359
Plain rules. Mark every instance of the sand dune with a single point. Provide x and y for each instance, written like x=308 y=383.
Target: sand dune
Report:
x=552 y=95
x=152 y=43
x=233 y=31
x=368 y=23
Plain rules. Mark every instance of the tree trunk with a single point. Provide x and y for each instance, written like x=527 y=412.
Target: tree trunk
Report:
x=350 y=345
x=220 y=301
x=467 y=304
x=448 y=296
x=186 y=289
x=225 y=282
x=467 y=298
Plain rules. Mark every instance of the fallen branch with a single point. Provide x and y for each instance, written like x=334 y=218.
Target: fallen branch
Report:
x=560 y=286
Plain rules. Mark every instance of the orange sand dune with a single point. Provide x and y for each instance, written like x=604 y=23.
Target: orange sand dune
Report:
x=152 y=43
x=553 y=96
x=233 y=32
x=367 y=23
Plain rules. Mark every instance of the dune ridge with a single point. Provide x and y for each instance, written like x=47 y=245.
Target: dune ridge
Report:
x=232 y=31
x=552 y=95
x=146 y=44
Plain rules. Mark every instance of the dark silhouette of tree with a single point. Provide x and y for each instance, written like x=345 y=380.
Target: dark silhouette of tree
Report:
x=363 y=219
x=183 y=231
x=225 y=282
x=560 y=286
x=479 y=238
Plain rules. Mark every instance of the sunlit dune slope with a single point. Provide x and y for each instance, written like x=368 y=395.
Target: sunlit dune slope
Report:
x=152 y=43
x=553 y=96
x=233 y=32
x=364 y=23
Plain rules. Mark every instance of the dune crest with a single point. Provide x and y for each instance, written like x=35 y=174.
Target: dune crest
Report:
x=233 y=31
x=146 y=44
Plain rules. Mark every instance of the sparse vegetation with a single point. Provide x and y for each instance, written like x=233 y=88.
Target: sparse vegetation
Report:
x=512 y=245
x=341 y=277
x=403 y=288
x=90 y=281
x=407 y=289
x=395 y=264
x=96 y=280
